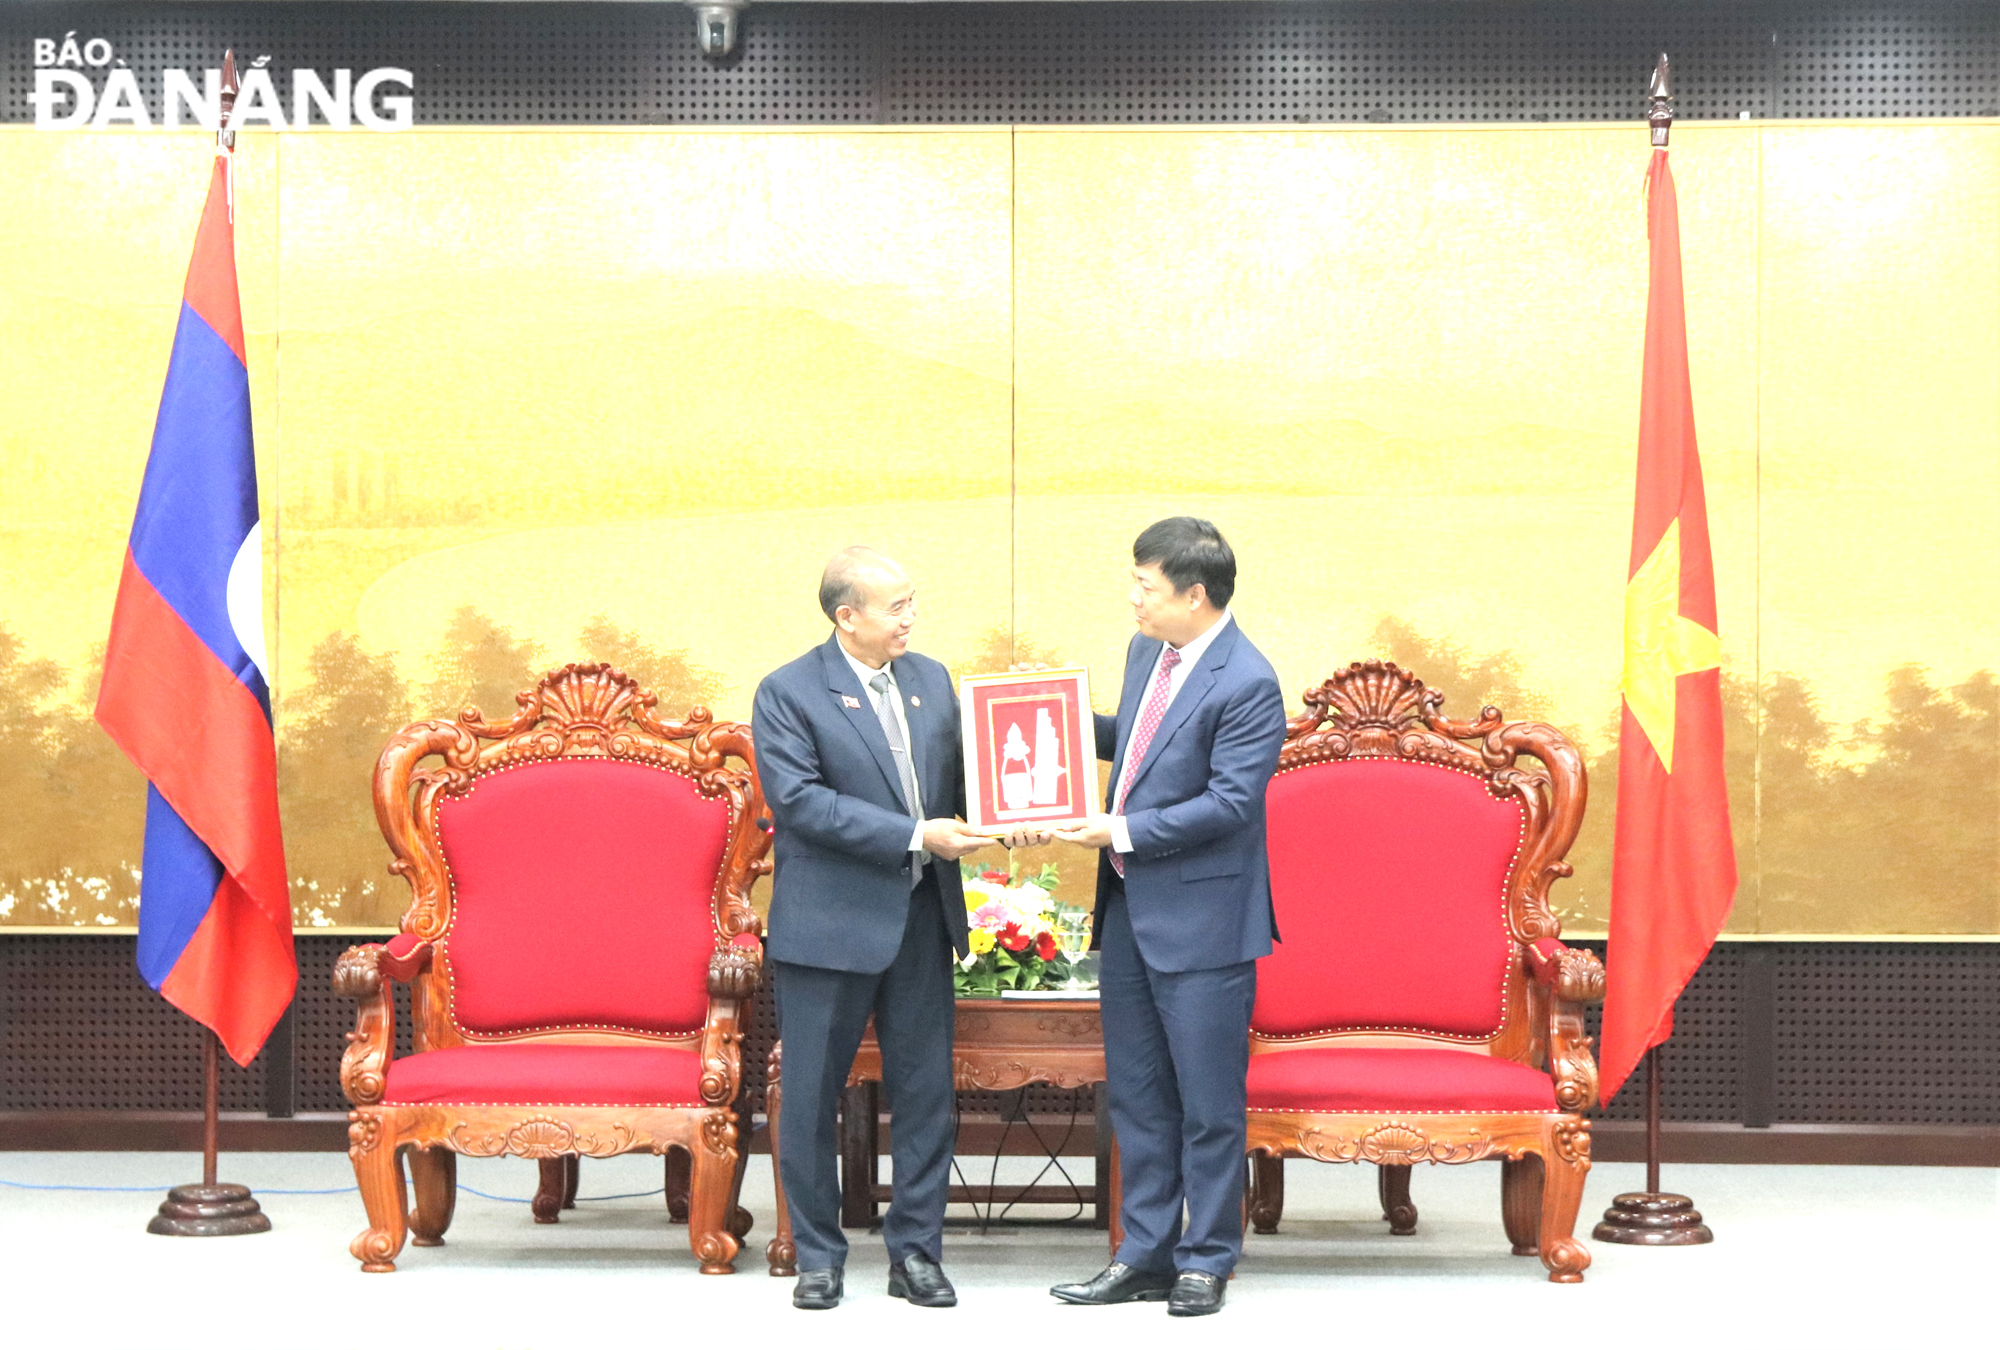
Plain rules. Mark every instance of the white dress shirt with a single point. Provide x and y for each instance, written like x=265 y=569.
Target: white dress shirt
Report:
x=865 y=672
x=1121 y=833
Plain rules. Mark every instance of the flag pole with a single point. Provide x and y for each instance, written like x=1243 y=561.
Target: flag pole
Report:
x=211 y=1093
x=1652 y=1217
x=1653 y=1121
x=213 y=1209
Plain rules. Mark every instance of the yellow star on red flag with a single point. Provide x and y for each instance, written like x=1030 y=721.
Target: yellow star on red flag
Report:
x=1661 y=643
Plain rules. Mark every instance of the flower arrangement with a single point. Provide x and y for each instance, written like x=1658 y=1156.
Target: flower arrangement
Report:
x=1021 y=938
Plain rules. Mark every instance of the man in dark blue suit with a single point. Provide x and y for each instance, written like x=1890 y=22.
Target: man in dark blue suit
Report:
x=1183 y=913
x=859 y=754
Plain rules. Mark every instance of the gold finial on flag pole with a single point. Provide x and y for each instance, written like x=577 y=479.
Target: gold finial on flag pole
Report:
x=1660 y=102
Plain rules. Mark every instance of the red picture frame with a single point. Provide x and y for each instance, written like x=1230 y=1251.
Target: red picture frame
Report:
x=1030 y=749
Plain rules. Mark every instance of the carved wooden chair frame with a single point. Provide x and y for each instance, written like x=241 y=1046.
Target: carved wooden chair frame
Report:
x=1376 y=710
x=577 y=712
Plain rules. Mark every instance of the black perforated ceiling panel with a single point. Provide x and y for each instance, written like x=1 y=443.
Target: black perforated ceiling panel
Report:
x=1473 y=60
x=1889 y=60
x=1313 y=63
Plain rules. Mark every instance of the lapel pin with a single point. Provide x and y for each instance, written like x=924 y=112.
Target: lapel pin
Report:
x=850 y=701
x=916 y=702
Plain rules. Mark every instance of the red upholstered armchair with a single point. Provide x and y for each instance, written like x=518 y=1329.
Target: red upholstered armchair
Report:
x=580 y=948
x=1420 y=1007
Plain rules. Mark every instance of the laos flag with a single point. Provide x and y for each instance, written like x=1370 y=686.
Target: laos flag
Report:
x=184 y=692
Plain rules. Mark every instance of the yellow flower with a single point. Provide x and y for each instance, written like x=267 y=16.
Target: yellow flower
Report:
x=981 y=942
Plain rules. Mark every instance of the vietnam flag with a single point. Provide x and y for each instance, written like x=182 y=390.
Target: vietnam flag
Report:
x=1674 y=867
x=184 y=692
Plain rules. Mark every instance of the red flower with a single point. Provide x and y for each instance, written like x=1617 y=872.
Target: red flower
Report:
x=1045 y=946
x=998 y=877
x=1012 y=938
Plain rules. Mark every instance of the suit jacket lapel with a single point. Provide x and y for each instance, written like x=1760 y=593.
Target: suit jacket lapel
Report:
x=1199 y=681
x=860 y=711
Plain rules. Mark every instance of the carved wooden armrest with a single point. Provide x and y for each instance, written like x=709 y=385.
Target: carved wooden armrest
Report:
x=734 y=971
x=1572 y=974
x=1572 y=977
x=358 y=975
x=733 y=974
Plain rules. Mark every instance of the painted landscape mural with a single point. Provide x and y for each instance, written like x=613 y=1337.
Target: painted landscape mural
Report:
x=523 y=400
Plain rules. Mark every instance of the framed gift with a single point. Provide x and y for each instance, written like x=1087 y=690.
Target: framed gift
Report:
x=1030 y=749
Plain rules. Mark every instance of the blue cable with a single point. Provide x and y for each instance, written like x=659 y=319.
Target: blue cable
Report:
x=154 y=1190
x=509 y=1199
x=581 y=1199
x=337 y=1190
x=29 y=1186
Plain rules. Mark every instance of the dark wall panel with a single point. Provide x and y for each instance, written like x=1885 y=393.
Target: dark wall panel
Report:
x=1482 y=60
x=1868 y=1031
x=1857 y=1033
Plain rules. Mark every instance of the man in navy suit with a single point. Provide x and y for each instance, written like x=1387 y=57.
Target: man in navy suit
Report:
x=858 y=751
x=1183 y=913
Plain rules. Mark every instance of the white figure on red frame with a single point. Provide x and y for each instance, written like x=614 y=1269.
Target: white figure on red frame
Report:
x=1016 y=787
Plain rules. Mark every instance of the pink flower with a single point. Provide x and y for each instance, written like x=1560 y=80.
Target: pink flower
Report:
x=991 y=915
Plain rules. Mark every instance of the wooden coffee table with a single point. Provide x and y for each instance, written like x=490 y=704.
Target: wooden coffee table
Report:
x=999 y=1044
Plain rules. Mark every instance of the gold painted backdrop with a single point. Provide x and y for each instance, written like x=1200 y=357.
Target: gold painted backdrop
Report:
x=527 y=397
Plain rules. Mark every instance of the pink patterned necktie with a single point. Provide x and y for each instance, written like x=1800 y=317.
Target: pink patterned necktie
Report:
x=1142 y=736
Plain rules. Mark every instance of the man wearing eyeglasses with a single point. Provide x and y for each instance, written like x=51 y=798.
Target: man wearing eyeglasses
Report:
x=857 y=746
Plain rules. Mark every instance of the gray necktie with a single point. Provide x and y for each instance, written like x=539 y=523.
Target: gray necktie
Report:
x=898 y=751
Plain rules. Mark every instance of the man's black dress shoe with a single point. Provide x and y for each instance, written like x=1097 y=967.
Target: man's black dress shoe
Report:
x=921 y=1280
x=1118 y=1283
x=1196 y=1293
x=817 y=1289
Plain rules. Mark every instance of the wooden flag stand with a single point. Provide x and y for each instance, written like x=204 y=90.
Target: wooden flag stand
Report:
x=1653 y=1218
x=211 y=1209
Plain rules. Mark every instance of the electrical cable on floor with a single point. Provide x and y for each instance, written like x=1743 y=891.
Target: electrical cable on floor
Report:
x=336 y=1190
x=1053 y=1158
x=151 y=1190
x=956 y=1120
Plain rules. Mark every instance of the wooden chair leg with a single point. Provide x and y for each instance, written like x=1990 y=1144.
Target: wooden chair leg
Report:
x=1392 y=1183
x=1565 y=1164
x=552 y=1191
x=572 y=1173
x=779 y=1253
x=1521 y=1202
x=711 y=1177
x=379 y=1174
x=741 y=1220
x=680 y=1174
x=1267 y=1192
x=434 y=1179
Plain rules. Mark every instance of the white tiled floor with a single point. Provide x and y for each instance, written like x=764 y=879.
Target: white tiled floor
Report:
x=1803 y=1257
